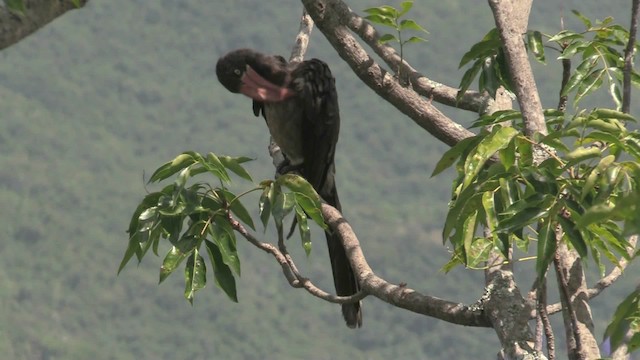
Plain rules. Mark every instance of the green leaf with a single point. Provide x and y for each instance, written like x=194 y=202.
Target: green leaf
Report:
x=405 y=7
x=16 y=6
x=303 y=228
x=414 y=39
x=468 y=78
x=386 y=38
x=603 y=113
x=213 y=164
x=384 y=10
x=225 y=240
x=565 y=35
x=233 y=164
x=573 y=234
x=265 y=203
x=584 y=19
x=409 y=24
x=451 y=155
x=236 y=207
x=590 y=84
x=595 y=173
x=172 y=260
x=536 y=46
x=595 y=214
x=195 y=275
x=488 y=46
x=520 y=220
x=547 y=246
x=178 y=164
x=583 y=70
x=582 y=154
x=627 y=314
x=298 y=184
x=498 y=139
x=222 y=274
x=381 y=20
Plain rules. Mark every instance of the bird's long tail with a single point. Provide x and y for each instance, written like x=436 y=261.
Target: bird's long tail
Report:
x=343 y=276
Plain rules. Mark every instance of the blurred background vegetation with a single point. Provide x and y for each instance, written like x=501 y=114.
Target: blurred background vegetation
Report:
x=106 y=94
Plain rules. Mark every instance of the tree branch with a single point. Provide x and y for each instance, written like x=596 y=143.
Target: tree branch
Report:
x=290 y=271
x=521 y=74
x=330 y=17
x=399 y=295
x=38 y=13
x=471 y=100
x=628 y=57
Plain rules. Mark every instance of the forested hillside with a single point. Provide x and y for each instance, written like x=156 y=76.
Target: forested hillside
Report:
x=97 y=100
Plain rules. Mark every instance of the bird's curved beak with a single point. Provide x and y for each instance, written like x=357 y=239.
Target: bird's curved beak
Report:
x=261 y=89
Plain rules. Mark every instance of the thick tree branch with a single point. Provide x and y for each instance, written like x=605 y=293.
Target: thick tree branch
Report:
x=38 y=13
x=399 y=295
x=628 y=57
x=472 y=100
x=330 y=17
x=521 y=74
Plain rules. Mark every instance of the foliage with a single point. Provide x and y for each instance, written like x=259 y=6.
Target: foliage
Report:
x=626 y=317
x=190 y=216
x=389 y=16
x=600 y=48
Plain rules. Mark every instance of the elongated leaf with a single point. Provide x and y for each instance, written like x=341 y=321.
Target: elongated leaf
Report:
x=386 y=38
x=468 y=231
x=589 y=84
x=233 y=164
x=304 y=195
x=468 y=78
x=225 y=240
x=487 y=47
x=581 y=154
x=535 y=45
x=497 y=140
x=409 y=24
x=195 y=275
x=451 y=155
x=171 y=261
x=627 y=312
x=178 y=164
x=575 y=237
x=595 y=214
x=595 y=174
x=584 y=19
x=405 y=6
x=237 y=208
x=603 y=113
x=384 y=10
x=547 y=246
x=303 y=228
x=265 y=203
x=583 y=70
x=381 y=20
x=565 y=35
x=520 y=220
x=222 y=274
x=414 y=39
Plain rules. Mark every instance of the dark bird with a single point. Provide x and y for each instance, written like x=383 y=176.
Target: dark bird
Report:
x=300 y=105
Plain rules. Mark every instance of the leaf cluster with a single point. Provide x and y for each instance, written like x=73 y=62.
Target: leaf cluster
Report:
x=189 y=216
x=589 y=191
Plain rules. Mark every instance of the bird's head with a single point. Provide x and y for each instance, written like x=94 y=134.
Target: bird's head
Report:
x=258 y=76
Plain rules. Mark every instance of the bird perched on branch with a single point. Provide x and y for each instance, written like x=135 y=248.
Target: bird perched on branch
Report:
x=300 y=105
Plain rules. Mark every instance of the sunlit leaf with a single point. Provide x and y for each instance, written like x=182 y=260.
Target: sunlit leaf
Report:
x=225 y=240
x=488 y=146
x=535 y=45
x=451 y=155
x=303 y=228
x=409 y=24
x=233 y=164
x=405 y=6
x=195 y=275
x=178 y=164
x=237 y=208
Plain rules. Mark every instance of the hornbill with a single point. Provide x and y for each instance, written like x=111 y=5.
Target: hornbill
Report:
x=300 y=105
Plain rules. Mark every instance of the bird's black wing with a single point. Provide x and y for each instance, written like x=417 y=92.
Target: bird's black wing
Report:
x=316 y=90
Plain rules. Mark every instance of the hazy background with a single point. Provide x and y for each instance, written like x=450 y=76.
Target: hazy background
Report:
x=112 y=91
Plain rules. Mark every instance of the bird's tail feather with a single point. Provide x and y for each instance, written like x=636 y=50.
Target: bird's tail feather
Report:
x=343 y=276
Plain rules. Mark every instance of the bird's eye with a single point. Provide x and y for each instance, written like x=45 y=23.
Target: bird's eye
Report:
x=237 y=72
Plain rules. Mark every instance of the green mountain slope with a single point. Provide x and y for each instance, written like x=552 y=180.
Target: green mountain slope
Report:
x=119 y=87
